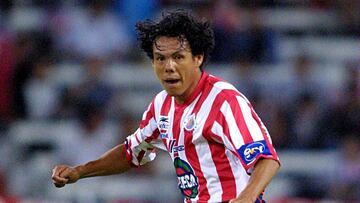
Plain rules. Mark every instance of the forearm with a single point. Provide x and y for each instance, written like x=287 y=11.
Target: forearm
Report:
x=263 y=172
x=112 y=162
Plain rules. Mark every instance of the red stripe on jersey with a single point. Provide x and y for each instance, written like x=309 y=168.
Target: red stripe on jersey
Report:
x=264 y=134
x=128 y=156
x=224 y=171
x=150 y=114
x=140 y=156
x=129 y=153
x=166 y=106
x=221 y=119
x=136 y=136
x=222 y=164
x=193 y=158
x=176 y=125
x=191 y=153
x=266 y=138
x=240 y=120
x=153 y=136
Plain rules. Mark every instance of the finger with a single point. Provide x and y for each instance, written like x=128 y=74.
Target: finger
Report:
x=60 y=180
x=65 y=173
x=59 y=185
x=57 y=170
x=56 y=176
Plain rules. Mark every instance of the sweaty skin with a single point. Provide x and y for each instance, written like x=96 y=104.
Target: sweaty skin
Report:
x=176 y=68
x=112 y=162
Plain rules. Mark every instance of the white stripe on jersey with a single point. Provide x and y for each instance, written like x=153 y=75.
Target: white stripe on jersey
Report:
x=146 y=112
x=235 y=134
x=184 y=116
x=218 y=130
x=251 y=124
x=233 y=159
x=241 y=177
x=148 y=129
x=181 y=137
x=158 y=102
x=203 y=150
x=225 y=86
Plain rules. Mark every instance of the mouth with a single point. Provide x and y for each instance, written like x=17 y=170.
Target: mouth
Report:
x=171 y=81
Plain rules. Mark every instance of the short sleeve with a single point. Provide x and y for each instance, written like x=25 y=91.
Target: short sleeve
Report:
x=240 y=129
x=140 y=146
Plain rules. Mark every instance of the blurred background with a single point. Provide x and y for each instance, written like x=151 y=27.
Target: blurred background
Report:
x=73 y=83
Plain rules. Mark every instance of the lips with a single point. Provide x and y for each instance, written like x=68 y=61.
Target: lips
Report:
x=171 y=81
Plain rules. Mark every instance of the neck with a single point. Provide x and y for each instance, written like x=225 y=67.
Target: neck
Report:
x=182 y=98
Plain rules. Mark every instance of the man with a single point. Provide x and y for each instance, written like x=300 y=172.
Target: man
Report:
x=221 y=150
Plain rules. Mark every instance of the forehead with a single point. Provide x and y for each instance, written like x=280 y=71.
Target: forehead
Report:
x=170 y=44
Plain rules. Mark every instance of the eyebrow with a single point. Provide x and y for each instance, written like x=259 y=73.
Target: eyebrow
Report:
x=157 y=52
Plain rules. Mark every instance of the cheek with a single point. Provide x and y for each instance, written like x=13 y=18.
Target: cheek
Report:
x=156 y=70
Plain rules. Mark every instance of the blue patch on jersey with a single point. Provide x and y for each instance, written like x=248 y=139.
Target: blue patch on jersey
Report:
x=250 y=151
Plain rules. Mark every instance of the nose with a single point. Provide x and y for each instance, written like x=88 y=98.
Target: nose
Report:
x=170 y=65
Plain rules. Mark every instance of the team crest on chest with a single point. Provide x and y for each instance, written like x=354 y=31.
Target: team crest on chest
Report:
x=190 y=123
x=163 y=126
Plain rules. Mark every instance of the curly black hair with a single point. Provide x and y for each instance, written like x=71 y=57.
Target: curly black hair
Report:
x=179 y=23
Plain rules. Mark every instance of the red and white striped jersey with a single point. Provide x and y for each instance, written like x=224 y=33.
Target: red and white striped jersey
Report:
x=214 y=139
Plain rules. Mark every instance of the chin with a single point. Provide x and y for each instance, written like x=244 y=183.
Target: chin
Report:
x=172 y=93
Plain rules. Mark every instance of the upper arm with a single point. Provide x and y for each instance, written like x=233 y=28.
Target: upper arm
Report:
x=240 y=129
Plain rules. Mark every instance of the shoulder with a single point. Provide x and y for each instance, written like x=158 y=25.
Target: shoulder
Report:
x=223 y=88
x=160 y=97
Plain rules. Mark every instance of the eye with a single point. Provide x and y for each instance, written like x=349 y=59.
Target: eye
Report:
x=179 y=57
x=160 y=58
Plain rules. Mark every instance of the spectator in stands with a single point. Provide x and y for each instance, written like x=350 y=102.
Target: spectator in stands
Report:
x=303 y=67
x=133 y=11
x=350 y=16
x=260 y=41
x=274 y=117
x=343 y=116
x=41 y=95
x=303 y=117
x=91 y=130
x=341 y=119
x=241 y=32
x=24 y=55
x=93 y=31
x=29 y=47
x=227 y=20
x=92 y=88
x=245 y=78
x=346 y=185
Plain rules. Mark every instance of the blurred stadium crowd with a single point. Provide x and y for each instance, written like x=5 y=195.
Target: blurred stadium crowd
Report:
x=73 y=83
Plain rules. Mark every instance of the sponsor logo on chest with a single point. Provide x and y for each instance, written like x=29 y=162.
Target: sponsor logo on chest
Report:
x=163 y=126
x=187 y=180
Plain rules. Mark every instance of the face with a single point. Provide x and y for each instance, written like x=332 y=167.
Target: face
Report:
x=176 y=68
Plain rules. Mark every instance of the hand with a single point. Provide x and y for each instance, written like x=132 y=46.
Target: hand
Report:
x=63 y=174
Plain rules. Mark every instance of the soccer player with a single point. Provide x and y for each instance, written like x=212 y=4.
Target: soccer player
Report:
x=220 y=149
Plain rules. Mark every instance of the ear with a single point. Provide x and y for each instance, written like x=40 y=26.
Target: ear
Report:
x=199 y=59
